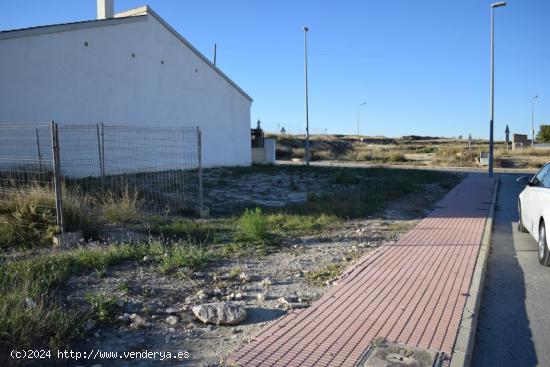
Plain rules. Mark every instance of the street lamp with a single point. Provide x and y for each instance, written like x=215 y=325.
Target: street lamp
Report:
x=491 y=142
x=358 y=111
x=533 y=121
x=306 y=29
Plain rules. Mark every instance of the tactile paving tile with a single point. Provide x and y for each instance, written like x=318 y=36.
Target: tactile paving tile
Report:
x=412 y=292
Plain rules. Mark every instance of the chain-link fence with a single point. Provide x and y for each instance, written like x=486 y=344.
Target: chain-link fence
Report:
x=157 y=168
x=27 y=187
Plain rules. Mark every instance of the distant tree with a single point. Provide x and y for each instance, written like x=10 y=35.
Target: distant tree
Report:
x=460 y=137
x=544 y=134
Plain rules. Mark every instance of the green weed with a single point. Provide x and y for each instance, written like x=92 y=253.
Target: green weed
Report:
x=252 y=226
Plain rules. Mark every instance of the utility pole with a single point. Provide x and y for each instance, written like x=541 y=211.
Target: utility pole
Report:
x=533 y=121
x=358 y=114
x=491 y=123
x=306 y=29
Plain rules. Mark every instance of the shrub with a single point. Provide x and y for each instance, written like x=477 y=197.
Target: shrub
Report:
x=252 y=226
x=396 y=157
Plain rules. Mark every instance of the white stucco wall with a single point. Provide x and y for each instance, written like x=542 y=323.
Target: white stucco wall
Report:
x=56 y=77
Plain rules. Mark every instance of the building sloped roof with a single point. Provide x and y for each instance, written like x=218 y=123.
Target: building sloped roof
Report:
x=130 y=16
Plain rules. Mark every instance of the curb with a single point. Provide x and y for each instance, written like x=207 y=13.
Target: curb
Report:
x=464 y=345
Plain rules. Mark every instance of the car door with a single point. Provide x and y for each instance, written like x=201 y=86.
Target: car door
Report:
x=534 y=206
x=544 y=203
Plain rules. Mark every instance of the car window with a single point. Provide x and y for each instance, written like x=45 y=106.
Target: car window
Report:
x=546 y=179
x=543 y=177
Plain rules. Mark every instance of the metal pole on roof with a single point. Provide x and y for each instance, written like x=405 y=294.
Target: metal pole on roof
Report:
x=215 y=51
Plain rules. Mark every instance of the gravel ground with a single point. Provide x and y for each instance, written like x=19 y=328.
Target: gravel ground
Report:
x=140 y=290
x=153 y=311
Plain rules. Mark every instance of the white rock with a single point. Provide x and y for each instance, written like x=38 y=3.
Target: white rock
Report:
x=230 y=297
x=267 y=281
x=238 y=296
x=244 y=277
x=171 y=310
x=172 y=320
x=137 y=321
x=289 y=303
x=202 y=295
x=124 y=317
x=261 y=296
x=30 y=303
x=220 y=313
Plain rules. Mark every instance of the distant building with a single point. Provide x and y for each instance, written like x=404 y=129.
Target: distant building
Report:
x=520 y=141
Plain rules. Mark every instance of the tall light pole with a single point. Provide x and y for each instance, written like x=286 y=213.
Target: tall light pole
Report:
x=306 y=29
x=491 y=123
x=533 y=121
x=358 y=112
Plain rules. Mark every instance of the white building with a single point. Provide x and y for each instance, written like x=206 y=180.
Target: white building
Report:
x=129 y=68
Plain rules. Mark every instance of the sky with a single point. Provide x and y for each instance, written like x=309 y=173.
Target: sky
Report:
x=422 y=67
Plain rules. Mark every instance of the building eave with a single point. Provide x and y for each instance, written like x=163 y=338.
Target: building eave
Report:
x=67 y=27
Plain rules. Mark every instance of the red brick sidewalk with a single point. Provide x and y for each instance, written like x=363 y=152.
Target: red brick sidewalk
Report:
x=412 y=292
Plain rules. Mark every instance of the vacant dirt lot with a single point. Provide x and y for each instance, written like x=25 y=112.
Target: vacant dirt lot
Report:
x=138 y=295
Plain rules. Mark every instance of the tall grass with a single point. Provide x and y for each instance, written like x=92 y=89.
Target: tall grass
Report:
x=123 y=207
x=28 y=219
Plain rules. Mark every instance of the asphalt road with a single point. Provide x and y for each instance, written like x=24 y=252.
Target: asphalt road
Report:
x=514 y=321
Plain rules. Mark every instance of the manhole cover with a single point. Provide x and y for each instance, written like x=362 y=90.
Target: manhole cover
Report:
x=396 y=355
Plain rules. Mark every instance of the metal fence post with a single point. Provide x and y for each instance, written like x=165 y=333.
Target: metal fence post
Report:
x=57 y=175
x=199 y=147
x=103 y=154
x=100 y=152
x=39 y=153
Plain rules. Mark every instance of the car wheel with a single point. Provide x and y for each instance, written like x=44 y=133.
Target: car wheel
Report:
x=544 y=254
x=521 y=227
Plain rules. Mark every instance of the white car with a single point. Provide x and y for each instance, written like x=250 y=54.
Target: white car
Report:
x=534 y=210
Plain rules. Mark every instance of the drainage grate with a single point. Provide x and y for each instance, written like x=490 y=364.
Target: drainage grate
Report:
x=397 y=355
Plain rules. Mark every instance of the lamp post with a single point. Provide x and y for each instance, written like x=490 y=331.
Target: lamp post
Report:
x=491 y=123
x=306 y=29
x=358 y=112
x=533 y=121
